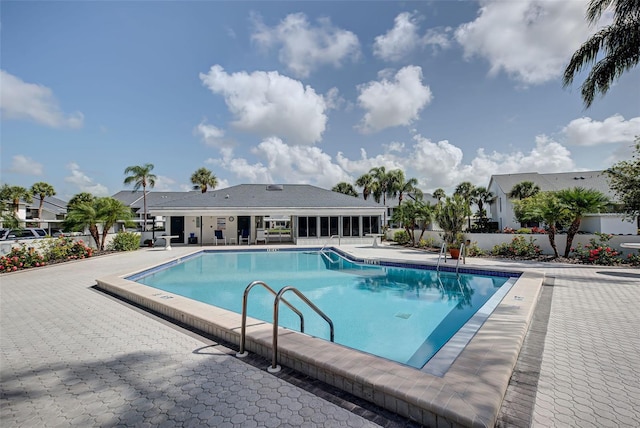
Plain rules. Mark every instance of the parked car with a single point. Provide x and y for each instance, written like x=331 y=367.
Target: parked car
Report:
x=26 y=233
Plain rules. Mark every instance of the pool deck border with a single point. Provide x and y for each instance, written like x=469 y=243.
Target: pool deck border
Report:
x=469 y=394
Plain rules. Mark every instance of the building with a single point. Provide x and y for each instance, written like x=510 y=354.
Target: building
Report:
x=502 y=209
x=296 y=213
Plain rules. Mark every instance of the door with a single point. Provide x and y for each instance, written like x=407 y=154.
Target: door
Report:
x=244 y=223
x=177 y=228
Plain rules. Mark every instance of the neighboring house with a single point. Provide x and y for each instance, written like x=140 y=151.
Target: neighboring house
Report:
x=54 y=211
x=135 y=201
x=392 y=203
x=502 y=209
x=313 y=215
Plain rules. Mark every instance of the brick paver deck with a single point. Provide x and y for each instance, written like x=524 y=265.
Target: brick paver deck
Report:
x=72 y=356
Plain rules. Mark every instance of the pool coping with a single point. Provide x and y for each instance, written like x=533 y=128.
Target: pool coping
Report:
x=469 y=394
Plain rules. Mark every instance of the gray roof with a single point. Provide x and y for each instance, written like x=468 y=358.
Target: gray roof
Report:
x=596 y=180
x=50 y=204
x=264 y=196
x=134 y=199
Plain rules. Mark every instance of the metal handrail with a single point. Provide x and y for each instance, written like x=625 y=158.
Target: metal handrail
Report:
x=276 y=305
x=443 y=252
x=461 y=256
x=243 y=329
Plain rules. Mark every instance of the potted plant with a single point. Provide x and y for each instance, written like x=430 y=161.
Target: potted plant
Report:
x=450 y=216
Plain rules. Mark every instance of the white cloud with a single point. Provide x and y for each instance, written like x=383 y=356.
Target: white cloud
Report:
x=304 y=47
x=400 y=41
x=211 y=135
x=404 y=38
x=614 y=129
x=531 y=40
x=269 y=104
x=21 y=100
x=21 y=164
x=393 y=103
x=84 y=182
x=163 y=184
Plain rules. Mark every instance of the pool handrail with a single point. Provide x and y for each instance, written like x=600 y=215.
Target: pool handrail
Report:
x=276 y=305
x=461 y=256
x=243 y=329
x=443 y=252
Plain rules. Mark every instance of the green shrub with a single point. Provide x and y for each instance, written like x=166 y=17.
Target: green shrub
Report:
x=125 y=241
x=597 y=252
x=524 y=231
x=430 y=242
x=401 y=237
x=473 y=250
x=519 y=247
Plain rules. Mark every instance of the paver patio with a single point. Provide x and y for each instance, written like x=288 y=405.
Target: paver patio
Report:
x=73 y=356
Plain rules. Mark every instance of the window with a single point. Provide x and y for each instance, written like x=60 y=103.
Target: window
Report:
x=346 y=226
x=370 y=224
x=302 y=227
x=333 y=226
x=355 y=226
x=324 y=226
x=313 y=226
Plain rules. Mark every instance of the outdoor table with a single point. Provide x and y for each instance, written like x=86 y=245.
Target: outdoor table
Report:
x=375 y=237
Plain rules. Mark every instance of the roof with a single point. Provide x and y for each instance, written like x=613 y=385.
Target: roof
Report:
x=263 y=196
x=134 y=199
x=596 y=180
x=50 y=204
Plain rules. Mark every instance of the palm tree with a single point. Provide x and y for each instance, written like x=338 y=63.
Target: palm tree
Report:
x=42 y=190
x=79 y=199
x=620 y=43
x=366 y=182
x=450 y=216
x=439 y=194
x=481 y=195
x=580 y=201
x=424 y=214
x=465 y=190
x=109 y=211
x=202 y=179
x=405 y=187
x=83 y=215
x=545 y=207
x=405 y=216
x=11 y=196
x=384 y=184
x=141 y=176
x=345 y=188
x=524 y=190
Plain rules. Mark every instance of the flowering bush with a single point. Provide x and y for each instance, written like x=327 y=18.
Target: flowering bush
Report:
x=597 y=252
x=518 y=247
x=633 y=259
x=21 y=258
x=65 y=248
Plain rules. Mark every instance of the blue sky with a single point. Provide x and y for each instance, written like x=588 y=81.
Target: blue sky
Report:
x=299 y=92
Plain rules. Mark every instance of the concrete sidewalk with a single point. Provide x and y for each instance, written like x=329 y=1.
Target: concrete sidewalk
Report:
x=73 y=356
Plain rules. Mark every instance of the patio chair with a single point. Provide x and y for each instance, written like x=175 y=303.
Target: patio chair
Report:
x=244 y=236
x=219 y=237
x=261 y=236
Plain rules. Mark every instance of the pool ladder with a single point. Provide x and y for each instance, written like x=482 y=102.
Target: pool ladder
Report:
x=274 y=368
x=443 y=252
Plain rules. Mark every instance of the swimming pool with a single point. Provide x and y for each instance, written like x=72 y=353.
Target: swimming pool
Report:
x=402 y=314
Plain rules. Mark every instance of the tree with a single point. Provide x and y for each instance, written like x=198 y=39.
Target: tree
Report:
x=345 y=188
x=403 y=187
x=424 y=215
x=580 y=201
x=383 y=185
x=481 y=195
x=439 y=194
x=366 y=182
x=465 y=190
x=619 y=41
x=141 y=176
x=79 y=198
x=524 y=190
x=11 y=197
x=543 y=207
x=405 y=215
x=450 y=216
x=109 y=211
x=624 y=178
x=202 y=179
x=97 y=211
x=42 y=190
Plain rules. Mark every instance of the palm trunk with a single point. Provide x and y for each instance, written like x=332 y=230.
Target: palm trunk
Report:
x=40 y=212
x=552 y=240
x=144 y=201
x=571 y=233
x=93 y=230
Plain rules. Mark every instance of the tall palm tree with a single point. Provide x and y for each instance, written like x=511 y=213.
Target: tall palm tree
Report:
x=580 y=201
x=465 y=191
x=141 y=176
x=366 y=182
x=439 y=194
x=42 y=190
x=481 y=195
x=424 y=215
x=405 y=216
x=524 y=190
x=202 y=179
x=403 y=187
x=345 y=188
x=620 y=43
x=11 y=197
x=384 y=184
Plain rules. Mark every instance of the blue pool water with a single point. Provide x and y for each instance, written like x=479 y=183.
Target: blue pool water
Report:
x=402 y=314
